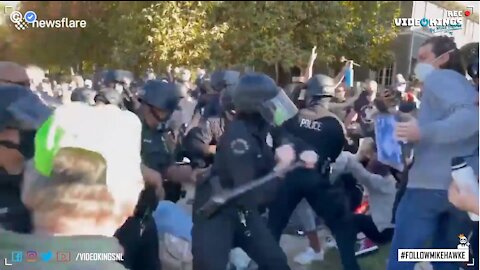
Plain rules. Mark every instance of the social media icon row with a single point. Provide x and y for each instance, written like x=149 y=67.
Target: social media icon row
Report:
x=33 y=256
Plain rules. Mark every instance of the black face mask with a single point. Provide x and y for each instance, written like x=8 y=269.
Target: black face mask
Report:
x=26 y=146
x=9 y=181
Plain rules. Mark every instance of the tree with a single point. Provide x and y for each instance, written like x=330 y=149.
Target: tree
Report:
x=169 y=32
x=209 y=33
x=285 y=32
x=65 y=48
x=370 y=32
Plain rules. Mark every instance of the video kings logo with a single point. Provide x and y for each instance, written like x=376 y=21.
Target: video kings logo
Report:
x=454 y=20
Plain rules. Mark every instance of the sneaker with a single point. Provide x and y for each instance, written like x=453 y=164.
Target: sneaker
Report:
x=308 y=256
x=239 y=259
x=365 y=246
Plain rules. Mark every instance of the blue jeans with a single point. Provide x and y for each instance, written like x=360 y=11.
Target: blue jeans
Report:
x=426 y=216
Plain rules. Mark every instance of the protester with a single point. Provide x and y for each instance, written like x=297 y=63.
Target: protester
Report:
x=380 y=187
x=297 y=77
x=463 y=201
x=363 y=110
x=316 y=249
x=174 y=227
x=78 y=189
x=447 y=107
x=36 y=76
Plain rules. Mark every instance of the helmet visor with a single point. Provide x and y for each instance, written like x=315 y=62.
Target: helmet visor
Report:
x=278 y=109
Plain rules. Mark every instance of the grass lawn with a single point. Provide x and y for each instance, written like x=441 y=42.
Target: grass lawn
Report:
x=374 y=261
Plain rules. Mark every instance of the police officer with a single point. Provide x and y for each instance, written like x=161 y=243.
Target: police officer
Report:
x=159 y=148
x=21 y=113
x=121 y=80
x=219 y=81
x=200 y=142
x=84 y=95
x=243 y=154
x=160 y=172
x=108 y=96
x=315 y=128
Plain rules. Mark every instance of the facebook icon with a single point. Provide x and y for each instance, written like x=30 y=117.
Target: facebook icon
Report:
x=17 y=256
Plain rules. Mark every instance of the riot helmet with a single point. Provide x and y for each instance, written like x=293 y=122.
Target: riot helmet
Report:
x=472 y=69
x=320 y=86
x=117 y=79
x=258 y=93
x=109 y=96
x=204 y=85
x=226 y=101
x=84 y=95
x=21 y=109
x=161 y=99
x=469 y=53
x=223 y=79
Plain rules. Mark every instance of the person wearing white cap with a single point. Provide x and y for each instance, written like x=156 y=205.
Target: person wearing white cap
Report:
x=81 y=186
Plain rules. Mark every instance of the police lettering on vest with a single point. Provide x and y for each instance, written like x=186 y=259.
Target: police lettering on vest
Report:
x=306 y=123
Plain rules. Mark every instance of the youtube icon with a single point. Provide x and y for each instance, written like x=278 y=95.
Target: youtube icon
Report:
x=63 y=256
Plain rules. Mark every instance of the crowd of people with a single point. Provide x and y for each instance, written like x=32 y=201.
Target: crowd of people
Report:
x=208 y=175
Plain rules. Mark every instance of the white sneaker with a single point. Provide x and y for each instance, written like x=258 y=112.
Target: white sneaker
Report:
x=239 y=258
x=308 y=256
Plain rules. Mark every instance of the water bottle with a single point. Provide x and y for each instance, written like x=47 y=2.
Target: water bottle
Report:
x=465 y=179
x=349 y=77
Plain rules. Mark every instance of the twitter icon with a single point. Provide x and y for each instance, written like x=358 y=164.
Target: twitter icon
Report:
x=47 y=256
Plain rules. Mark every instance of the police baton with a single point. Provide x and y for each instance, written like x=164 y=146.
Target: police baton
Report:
x=218 y=200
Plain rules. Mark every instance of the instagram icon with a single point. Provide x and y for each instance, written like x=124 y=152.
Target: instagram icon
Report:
x=31 y=256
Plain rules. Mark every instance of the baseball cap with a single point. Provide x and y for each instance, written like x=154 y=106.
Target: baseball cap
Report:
x=106 y=130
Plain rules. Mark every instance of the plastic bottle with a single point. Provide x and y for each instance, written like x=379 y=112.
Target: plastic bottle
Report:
x=465 y=179
x=349 y=77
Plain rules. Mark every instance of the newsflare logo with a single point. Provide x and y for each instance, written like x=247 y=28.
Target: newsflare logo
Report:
x=30 y=20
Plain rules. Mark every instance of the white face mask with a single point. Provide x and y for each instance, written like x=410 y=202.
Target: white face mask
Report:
x=422 y=70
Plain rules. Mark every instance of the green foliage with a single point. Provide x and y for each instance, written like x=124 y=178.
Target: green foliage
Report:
x=209 y=33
